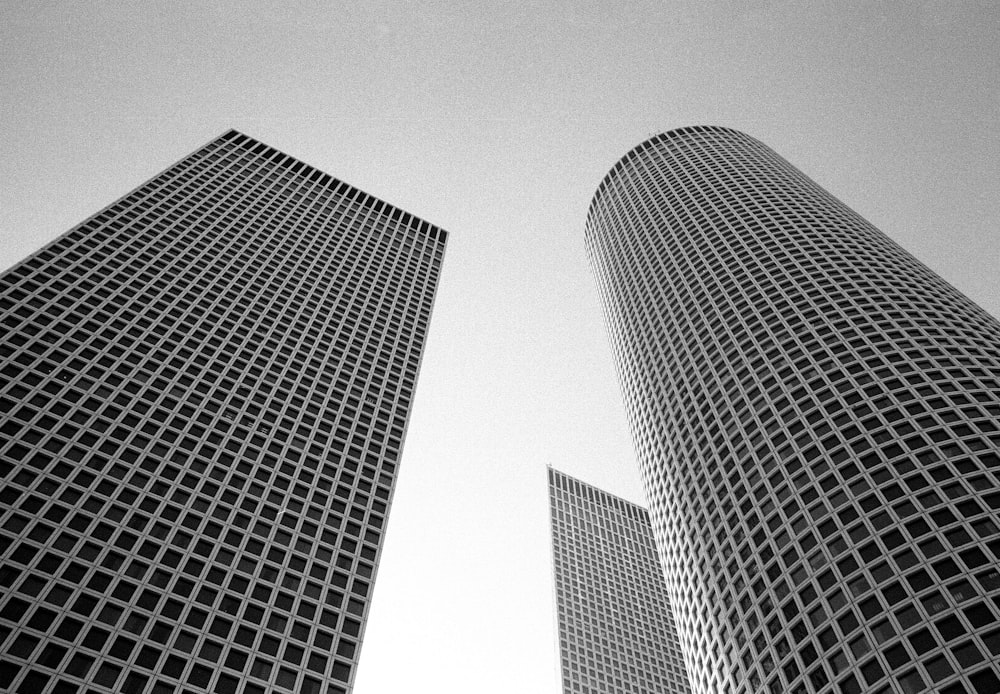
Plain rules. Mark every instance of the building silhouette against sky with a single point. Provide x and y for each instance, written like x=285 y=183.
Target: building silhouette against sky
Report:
x=816 y=416
x=616 y=631
x=205 y=390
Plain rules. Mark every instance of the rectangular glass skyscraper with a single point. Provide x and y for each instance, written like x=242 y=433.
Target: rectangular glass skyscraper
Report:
x=616 y=629
x=204 y=390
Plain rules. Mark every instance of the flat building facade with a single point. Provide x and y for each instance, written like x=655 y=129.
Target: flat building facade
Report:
x=815 y=414
x=204 y=391
x=616 y=630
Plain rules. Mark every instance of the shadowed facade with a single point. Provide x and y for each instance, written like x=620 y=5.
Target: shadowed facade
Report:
x=205 y=390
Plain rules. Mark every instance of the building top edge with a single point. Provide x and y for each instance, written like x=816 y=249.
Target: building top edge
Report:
x=602 y=492
x=314 y=173
x=646 y=144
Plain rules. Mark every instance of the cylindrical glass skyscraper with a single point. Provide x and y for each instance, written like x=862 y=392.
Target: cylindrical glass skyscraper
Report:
x=816 y=418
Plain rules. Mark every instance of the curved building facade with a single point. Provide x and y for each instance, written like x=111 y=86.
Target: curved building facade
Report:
x=815 y=414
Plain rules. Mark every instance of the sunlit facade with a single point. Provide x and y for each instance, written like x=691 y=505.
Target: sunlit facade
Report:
x=815 y=414
x=616 y=630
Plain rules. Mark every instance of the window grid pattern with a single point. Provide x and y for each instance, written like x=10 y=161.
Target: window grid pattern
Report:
x=204 y=392
x=616 y=630
x=815 y=414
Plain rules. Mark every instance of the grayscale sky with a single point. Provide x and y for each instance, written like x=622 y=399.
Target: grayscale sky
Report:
x=497 y=121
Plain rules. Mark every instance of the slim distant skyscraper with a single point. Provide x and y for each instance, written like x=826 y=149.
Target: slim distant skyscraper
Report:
x=816 y=418
x=204 y=394
x=616 y=631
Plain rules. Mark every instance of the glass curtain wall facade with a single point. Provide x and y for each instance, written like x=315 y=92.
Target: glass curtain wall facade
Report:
x=616 y=631
x=205 y=389
x=815 y=414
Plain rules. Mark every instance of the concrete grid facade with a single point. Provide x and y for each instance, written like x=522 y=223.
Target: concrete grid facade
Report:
x=616 y=630
x=205 y=390
x=816 y=418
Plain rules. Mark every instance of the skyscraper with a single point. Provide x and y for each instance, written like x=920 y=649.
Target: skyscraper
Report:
x=816 y=418
x=616 y=632
x=205 y=389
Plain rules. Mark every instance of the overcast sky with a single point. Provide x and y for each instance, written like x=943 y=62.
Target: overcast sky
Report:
x=497 y=121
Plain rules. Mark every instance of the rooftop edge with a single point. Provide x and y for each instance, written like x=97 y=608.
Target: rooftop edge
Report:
x=649 y=142
x=298 y=166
